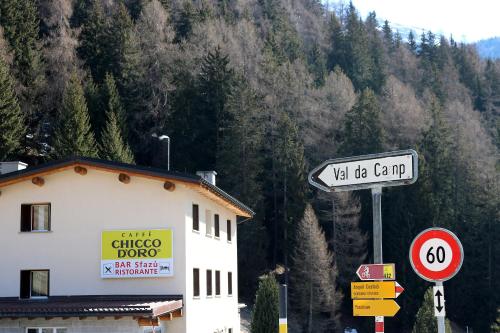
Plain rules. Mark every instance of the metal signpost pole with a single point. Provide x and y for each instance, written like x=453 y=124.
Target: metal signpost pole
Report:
x=377 y=242
x=377 y=225
x=283 y=322
x=440 y=319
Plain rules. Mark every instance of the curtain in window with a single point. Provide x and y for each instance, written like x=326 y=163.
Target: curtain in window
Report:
x=40 y=217
x=39 y=283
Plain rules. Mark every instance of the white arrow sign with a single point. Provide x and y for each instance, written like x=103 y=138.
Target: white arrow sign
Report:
x=386 y=169
x=368 y=171
x=439 y=310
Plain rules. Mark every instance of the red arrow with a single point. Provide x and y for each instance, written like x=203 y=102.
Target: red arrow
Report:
x=399 y=289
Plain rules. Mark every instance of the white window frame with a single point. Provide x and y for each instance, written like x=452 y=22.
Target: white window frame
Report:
x=39 y=329
x=208 y=222
x=33 y=206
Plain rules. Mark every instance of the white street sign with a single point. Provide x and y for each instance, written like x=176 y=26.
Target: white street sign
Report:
x=386 y=169
x=439 y=310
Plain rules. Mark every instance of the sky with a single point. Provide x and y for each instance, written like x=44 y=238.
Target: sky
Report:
x=467 y=21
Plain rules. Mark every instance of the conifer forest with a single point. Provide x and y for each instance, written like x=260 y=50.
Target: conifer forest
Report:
x=262 y=91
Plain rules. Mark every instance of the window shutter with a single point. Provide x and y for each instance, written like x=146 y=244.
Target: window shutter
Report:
x=25 y=284
x=196 y=217
x=196 y=282
x=217 y=283
x=216 y=225
x=209 y=282
x=25 y=217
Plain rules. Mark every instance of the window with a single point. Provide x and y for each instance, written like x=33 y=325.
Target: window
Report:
x=216 y=225
x=217 y=283
x=35 y=217
x=34 y=284
x=229 y=283
x=196 y=217
x=196 y=282
x=228 y=230
x=229 y=330
x=209 y=282
x=46 y=330
x=208 y=222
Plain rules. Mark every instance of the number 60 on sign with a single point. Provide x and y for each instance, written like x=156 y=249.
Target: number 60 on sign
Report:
x=436 y=254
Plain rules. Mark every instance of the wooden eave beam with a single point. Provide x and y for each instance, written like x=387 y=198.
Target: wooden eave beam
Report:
x=124 y=178
x=169 y=186
x=171 y=315
x=147 y=321
x=80 y=170
x=38 y=181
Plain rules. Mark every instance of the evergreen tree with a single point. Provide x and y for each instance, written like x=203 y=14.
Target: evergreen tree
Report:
x=398 y=39
x=358 y=63
x=265 y=313
x=73 y=134
x=363 y=132
x=187 y=18
x=412 y=44
x=112 y=146
x=12 y=127
x=107 y=44
x=388 y=36
x=215 y=85
x=318 y=65
x=122 y=45
x=20 y=21
x=436 y=181
x=96 y=105
x=93 y=41
x=313 y=277
x=426 y=321
x=336 y=39
x=114 y=104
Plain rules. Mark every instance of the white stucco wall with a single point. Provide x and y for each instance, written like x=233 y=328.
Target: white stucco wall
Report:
x=215 y=313
x=83 y=206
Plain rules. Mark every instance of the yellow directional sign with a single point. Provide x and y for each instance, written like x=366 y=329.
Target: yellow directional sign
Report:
x=380 y=289
x=374 y=307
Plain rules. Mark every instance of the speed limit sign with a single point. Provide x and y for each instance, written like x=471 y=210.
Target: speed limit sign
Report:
x=436 y=254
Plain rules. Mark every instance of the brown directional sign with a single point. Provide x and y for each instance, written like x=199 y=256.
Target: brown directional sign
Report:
x=377 y=272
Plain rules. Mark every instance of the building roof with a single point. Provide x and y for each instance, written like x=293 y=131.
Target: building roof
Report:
x=195 y=182
x=91 y=306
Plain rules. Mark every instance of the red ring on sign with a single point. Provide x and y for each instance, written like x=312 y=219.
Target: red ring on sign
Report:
x=456 y=250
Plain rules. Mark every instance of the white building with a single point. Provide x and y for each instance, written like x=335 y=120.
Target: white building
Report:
x=95 y=246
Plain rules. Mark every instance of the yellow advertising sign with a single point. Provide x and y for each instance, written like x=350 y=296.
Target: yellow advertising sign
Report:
x=136 y=244
x=136 y=253
x=373 y=307
x=380 y=289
